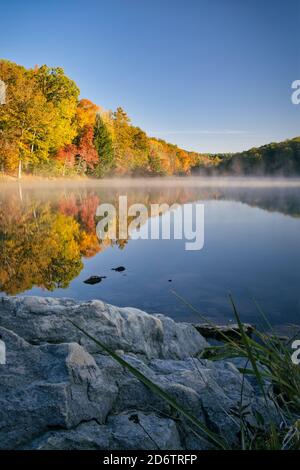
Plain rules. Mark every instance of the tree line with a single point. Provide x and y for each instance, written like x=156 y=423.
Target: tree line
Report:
x=46 y=129
x=275 y=159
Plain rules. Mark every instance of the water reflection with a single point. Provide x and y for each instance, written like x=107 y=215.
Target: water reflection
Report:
x=48 y=235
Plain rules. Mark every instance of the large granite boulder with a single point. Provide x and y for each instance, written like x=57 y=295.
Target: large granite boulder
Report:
x=40 y=320
x=58 y=390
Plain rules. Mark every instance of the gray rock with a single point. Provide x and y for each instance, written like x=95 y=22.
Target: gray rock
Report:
x=48 y=386
x=213 y=392
x=86 y=436
x=40 y=320
x=152 y=433
x=59 y=391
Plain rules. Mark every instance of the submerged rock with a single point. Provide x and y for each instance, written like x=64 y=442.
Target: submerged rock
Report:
x=119 y=269
x=94 y=280
x=58 y=390
x=221 y=332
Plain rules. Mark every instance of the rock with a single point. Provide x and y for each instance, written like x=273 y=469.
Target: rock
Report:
x=152 y=433
x=210 y=391
x=218 y=331
x=86 y=436
x=94 y=280
x=180 y=339
x=48 y=386
x=119 y=269
x=58 y=390
x=243 y=363
x=39 y=320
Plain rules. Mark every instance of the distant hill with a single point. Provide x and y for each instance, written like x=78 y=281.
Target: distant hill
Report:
x=281 y=158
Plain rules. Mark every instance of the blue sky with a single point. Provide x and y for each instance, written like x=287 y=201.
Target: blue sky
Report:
x=208 y=75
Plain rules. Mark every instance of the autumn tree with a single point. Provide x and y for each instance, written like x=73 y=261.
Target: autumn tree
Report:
x=86 y=153
x=86 y=113
x=45 y=127
x=38 y=117
x=122 y=139
x=25 y=120
x=66 y=156
x=81 y=155
x=63 y=93
x=139 y=151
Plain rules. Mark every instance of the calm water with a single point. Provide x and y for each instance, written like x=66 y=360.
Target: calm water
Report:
x=48 y=247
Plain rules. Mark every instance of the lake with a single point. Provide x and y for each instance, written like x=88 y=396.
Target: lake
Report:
x=49 y=247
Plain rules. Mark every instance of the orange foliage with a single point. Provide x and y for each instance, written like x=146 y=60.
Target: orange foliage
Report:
x=86 y=113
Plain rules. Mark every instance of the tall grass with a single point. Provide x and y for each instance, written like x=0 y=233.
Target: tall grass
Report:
x=278 y=379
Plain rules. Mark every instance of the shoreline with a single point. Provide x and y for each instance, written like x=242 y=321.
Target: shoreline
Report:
x=168 y=181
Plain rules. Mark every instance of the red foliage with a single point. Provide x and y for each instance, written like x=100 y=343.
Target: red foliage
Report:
x=69 y=206
x=86 y=149
x=67 y=155
x=87 y=212
x=83 y=210
x=84 y=153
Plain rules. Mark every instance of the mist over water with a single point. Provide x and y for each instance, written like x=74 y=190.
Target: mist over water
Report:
x=49 y=247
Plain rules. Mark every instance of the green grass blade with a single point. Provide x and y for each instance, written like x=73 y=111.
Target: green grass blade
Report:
x=248 y=349
x=157 y=390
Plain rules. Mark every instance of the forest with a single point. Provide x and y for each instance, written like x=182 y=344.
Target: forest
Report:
x=275 y=159
x=45 y=129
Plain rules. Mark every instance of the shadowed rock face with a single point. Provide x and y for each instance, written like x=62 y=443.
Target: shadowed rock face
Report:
x=58 y=391
x=118 y=433
x=49 y=386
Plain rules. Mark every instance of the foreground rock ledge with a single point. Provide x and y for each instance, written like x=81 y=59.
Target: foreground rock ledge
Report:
x=59 y=391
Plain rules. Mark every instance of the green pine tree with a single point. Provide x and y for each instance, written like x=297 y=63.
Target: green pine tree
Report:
x=104 y=147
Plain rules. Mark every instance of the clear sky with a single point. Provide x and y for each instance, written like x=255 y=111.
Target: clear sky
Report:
x=208 y=75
